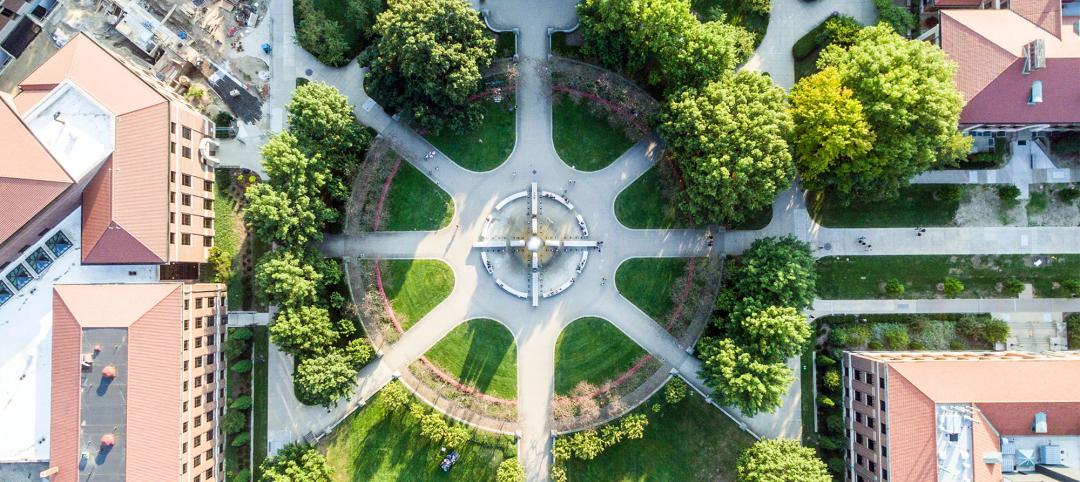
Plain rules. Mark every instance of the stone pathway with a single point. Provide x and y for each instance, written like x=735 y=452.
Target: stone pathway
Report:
x=1028 y=165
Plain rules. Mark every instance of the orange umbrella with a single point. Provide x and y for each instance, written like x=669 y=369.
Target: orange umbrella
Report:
x=109 y=372
x=108 y=439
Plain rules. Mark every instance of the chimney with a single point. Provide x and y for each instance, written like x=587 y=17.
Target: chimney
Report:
x=1034 y=56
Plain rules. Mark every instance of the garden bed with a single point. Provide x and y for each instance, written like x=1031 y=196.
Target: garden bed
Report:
x=245 y=435
x=982 y=276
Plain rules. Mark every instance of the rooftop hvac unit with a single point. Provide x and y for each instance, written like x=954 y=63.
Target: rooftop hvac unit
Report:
x=1050 y=454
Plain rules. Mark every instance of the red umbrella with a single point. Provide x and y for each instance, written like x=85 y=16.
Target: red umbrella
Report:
x=109 y=372
x=108 y=439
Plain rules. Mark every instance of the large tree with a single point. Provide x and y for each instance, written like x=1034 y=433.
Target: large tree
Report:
x=829 y=125
x=296 y=463
x=322 y=120
x=427 y=61
x=729 y=141
x=289 y=209
x=908 y=94
x=772 y=272
x=774 y=333
x=704 y=52
x=325 y=379
x=781 y=460
x=741 y=379
x=303 y=331
x=286 y=279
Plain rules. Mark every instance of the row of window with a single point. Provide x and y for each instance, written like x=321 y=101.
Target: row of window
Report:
x=199 y=360
x=185 y=179
x=199 y=322
x=199 y=342
x=868 y=400
x=185 y=219
x=198 y=400
x=185 y=240
x=185 y=199
x=199 y=379
x=209 y=300
x=868 y=378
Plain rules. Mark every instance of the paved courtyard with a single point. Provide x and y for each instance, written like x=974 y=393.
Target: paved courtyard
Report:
x=476 y=196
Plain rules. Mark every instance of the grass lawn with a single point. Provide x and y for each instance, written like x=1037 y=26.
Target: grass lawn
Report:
x=229 y=238
x=916 y=206
x=584 y=140
x=415 y=287
x=689 y=441
x=647 y=283
x=486 y=147
x=642 y=205
x=261 y=369
x=756 y=23
x=374 y=444
x=592 y=350
x=858 y=277
x=415 y=203
x=482 y=354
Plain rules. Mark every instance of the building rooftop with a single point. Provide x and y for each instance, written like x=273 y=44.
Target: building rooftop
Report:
x=134 y=329
x=76 y=130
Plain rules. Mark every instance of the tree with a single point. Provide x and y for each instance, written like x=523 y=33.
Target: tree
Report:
x=323 y=380
x=323 y=122
x=586 y=445
x=741 y=379
x=952 y=287
x=234 y=421
x=427 y=61
x=303 y=330
x=286 y=279
x=243 y=402
x=832 y=379
x=1012 y=286
x=705 y=52
x=895 y=16
x=908 y=94
x=320 y=35
x=633 y=426
x=395 y=396
x=235 y=347
x=894 y=287
x=781 y=460
x=289 y=209
x=510 y=470
x=434 y=427
x=829 y=125
x=296 y=463
x=363 y=13
x=624 y=34
x=775 y=333
x=676 y=390
x=457 y=436
x=729 y=141
x=241 y=439
x=242 y=366
x=1072 y=287
x=772 y=272
x=359 y=352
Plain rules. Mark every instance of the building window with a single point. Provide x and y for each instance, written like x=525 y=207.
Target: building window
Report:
x=172 y=197
x=208 y=204
x=210 y=433
x=198 y=303
x=210 y=415
x=209 y=473
x=198 y=401
x=883 y=428
x=870 y=400
x=858 y=396
x=198 y=362
x=210 y=377
x=884 y=474
x=172 y=218
x=858 y=438
x=196 y=479
x=858 y=375
x=871 y=422
x=208 y=241
x=858 y=458
x=185 y=219
x=198 y=421
x=210 y=359
x=209 y=340
x=209 y=454
x=208 y=223
x=882 y=404
x=884 y=449
x=881 y=382
x=198 y=382
x=186 y=180
x=870 y=379
x=208 y=186
x=185 y=345
x=186 y=152
x=198 y=324
x=872 y=466
x=184 y=405
x=185 y=324
x=195 y=462
x=871 y=444
x=197 y=441
x=198 y=343
x=172 y=127
x=209 y=397
x=172 y=174
x=172 y=238
x=172 y=150
x=186 y=365
x=185 y=239
x=185 y=385
x=185 y=132
x=185 y=431
x=185 y=199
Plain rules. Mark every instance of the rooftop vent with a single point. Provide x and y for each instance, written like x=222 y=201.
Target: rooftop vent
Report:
x=1039 y=425
x=1036 y=93
x=1034 y=56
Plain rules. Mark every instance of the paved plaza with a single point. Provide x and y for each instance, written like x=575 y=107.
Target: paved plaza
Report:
x=492 y=246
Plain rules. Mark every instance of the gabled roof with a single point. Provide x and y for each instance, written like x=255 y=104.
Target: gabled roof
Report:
x=125 y=209
x=994 y=380
x=1044 y=13
x=97 y=72
x=151 y=314
x=30 y=178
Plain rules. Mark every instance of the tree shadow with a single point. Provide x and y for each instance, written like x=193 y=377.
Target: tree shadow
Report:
x=490 y=343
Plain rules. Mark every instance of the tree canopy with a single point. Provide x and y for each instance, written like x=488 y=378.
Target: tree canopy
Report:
x=427 y=61
x=772 y=272
x=829 y=125
x=303 y=330
x=285 y=278
x=325 y=379
x=774 y=333
x=323 y=122
x=742 y=379
x=729 y=141
x=289 y=209
x=910 y=101
x=781 y=460
x=296 y=463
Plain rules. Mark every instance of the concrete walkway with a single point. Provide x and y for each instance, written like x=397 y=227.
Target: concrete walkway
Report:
x=986 y=305
x=1027 y=165
x=788 y=22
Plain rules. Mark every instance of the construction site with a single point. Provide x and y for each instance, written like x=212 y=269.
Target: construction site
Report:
x=213 y=52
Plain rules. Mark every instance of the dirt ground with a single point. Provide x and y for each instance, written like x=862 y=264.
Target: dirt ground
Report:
x=982 y=207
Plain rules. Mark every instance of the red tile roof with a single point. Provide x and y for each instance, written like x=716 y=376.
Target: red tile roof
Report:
x=911 y=416
x=30 y=178
x=1062 y=418
x=128 y=209
x=1044 y=13
x=151 y=313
